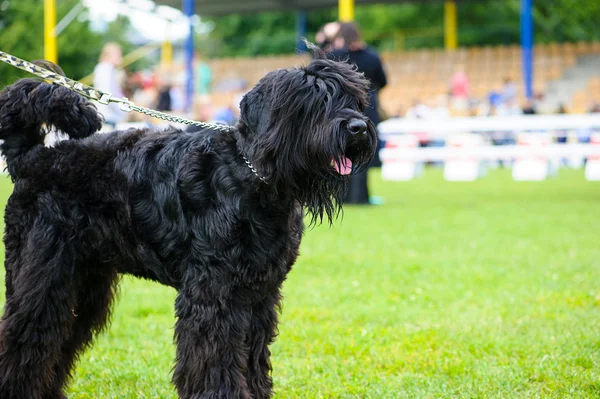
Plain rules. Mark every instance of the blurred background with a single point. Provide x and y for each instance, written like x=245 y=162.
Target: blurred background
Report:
x=466 y=263
x=487 y=62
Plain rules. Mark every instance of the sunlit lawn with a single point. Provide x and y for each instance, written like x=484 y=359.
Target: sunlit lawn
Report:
x=488 y=289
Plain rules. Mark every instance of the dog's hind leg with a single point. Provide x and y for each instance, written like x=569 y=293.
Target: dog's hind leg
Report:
x=262 y=332
x=212 y=356
x=15 y=238
x=38 y=316
x=12 y=262
x=92 y=312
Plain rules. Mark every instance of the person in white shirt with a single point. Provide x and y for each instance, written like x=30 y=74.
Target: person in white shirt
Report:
x=106 y=79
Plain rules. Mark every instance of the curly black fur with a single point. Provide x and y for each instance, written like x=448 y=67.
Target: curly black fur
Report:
x=175 y=207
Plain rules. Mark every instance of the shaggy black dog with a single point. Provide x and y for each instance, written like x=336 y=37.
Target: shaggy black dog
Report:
x=216 y=215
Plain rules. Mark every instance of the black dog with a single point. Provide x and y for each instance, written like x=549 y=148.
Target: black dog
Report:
x=216 y=215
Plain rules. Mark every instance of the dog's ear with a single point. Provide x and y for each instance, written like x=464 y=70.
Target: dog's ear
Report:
x=50 y=66
x=316 y=52
x=254 y=111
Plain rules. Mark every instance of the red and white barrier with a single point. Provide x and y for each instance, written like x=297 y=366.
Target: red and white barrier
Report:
x=533 y=167
x=464 y=168
x=592 y=167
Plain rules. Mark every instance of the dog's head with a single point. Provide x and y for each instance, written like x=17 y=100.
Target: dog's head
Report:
x=305 y=131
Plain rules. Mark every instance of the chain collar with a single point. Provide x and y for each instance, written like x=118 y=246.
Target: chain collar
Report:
x=253 y=169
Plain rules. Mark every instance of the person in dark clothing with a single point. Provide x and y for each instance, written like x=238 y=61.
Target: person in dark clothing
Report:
x=349 y=47
x=164 y=100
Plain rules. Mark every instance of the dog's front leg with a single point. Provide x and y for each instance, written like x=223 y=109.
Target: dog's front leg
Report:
x=212 y=357
x=263 y=331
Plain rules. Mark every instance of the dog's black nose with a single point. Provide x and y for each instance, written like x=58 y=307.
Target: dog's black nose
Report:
x=356 y=126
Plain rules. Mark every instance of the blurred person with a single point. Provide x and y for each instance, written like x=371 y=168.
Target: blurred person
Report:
x=203 y=109
x=225 y=115
x=529 y=107
x=349 y=47
x=131 y=84
x=164 y=102
x=320 y=38
x=177 y=94
x=484 y=108
x=495 y=97
x=326 y=35
x=203 y=76
x=561 y=135
x=509 y=108
x=106 y=78
x=147 y=94
x=460 y=88
x=509 y=90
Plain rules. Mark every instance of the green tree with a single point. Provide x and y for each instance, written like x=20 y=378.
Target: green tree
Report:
x=409 y=25
x=567 y=20
x=22 y=34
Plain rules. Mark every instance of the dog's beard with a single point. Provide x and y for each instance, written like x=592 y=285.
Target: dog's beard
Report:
x=312 y=162
x=321 y=178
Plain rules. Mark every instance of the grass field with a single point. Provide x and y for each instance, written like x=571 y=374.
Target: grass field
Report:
x=488 y=289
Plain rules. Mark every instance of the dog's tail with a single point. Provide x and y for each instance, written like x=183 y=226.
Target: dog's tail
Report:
x=30 y=107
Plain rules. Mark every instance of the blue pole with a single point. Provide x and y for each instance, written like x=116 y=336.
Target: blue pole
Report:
x=527 y=45
x=188 y=9
x=301 y=22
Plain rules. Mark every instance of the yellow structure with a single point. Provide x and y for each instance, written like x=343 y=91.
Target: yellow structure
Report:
x=346 y=10
x=50 y=49
x=166 y=53
x=450 y=25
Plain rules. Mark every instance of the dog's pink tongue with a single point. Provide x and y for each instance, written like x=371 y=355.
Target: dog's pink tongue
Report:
x=343 y=166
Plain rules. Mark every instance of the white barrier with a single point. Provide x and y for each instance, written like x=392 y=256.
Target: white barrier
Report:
x=536 y=156
x=492 y=153
x=440 y=128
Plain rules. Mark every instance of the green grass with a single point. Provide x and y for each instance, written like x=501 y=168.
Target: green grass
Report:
x=488 y=289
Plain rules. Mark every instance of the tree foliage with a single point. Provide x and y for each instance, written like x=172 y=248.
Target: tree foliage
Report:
x=411 y=25
x=22 y=34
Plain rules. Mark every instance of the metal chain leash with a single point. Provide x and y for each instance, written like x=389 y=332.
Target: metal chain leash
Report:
x=128 y=106
x=106 y=98
x=101 y=96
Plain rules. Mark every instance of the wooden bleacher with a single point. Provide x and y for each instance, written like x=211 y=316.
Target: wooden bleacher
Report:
x=582 y=99
x=425 y=74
